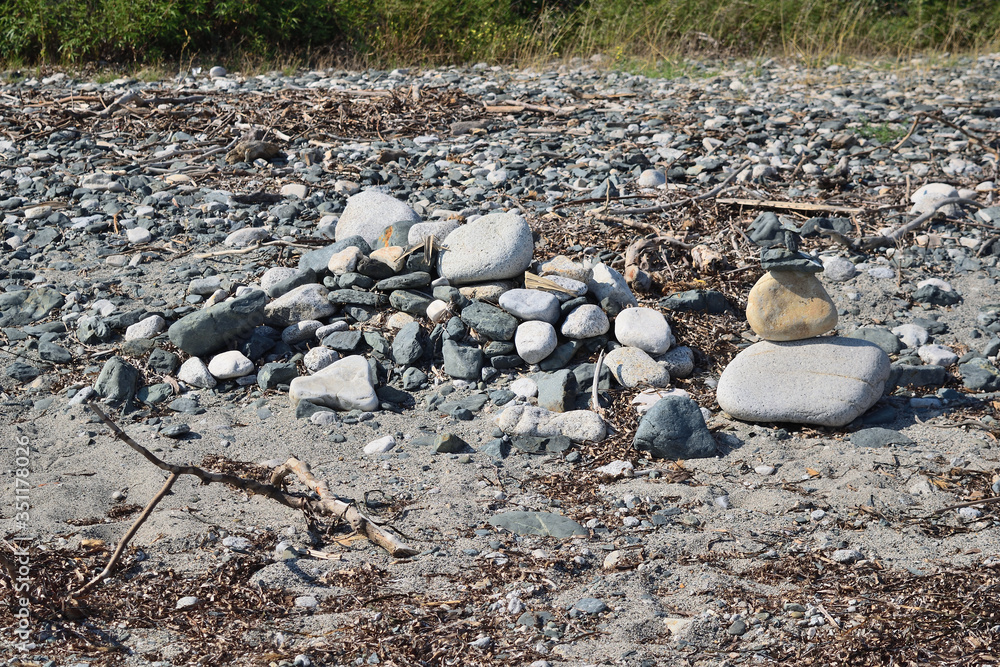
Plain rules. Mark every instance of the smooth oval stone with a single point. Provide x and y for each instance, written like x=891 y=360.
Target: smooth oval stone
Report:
x=644 y=328
x=308 y=302
x=790 y=305
x=531 y=304
x=535 y=341
x=821 y=381
x=493 y=247
x=585 y=321
x=371 y=214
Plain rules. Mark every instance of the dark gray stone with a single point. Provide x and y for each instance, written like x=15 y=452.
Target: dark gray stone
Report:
x=405 y=281
x=556 y=390
x=413 y=378
x=117 y=381
x=414 y=303
x=674 y=428
x=561 y=356
x=54 y=353
x=884 y=338
x=708 y=301
x=163 y=361
x=496 y=449
x=375 y=269
x=815 y=226
x=879 y=437
x=980 y=375
x=462 y=361
x=92 y=331
x=27 y=306
x=779 y=259
x=544 y=524
x=541 y=445
x=933 y=294
x=502 y=396
x=473 y=403
x=175 y=431
x=449 y=443
x=906 y=375
x=343 y=341
x=378 y=343
x=355 y=298
x=271 y=375
x=490 y=321
x=155 y=393
x=590 y=606
x=217 y=327
x=22 y=372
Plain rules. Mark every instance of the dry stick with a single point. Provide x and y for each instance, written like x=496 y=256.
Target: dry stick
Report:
x=333 y=505
x=971 y=503
x=595 y=403
x=674 y=204
x=330 y=507
x=109 y=568
x=941 y=119
x=870 y=242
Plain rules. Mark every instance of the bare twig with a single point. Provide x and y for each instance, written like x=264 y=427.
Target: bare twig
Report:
x=109 y=568
x=328 y=504
x=682 y=202
x=595 y=403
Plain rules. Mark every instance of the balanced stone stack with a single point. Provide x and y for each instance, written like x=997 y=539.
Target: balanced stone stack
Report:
x=794 y=375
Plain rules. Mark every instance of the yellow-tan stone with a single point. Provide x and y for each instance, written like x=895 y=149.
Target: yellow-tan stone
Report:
x=790 y=305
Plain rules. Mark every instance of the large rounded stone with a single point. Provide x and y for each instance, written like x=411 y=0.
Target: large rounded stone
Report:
x=347 y=384
x=216 y=327
x=493 y=247
x=790 y=305
x=821 y=381
x=644 y=328
x=371 y=213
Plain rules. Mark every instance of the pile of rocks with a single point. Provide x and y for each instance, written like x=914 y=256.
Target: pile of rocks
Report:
x=454 y=300
x=795 y=375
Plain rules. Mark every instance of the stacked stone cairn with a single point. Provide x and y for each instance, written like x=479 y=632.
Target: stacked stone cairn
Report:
x=796 y=374
x=449 y=296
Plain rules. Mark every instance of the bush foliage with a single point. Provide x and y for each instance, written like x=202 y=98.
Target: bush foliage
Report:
x=438 y=31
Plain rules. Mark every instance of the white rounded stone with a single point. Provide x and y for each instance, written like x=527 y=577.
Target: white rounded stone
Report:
x=146 y=328
x=925 y=198
x=644 y=328
x=911 y=335
x=524 y=387
x=585 y=321
x=138 y=235
x=370 y=213
x=246 y=236
x=535 y=340
x=936 y=355
x=838 y=269
x=229 y=365
x=275 y=275
x=577 y=425
x=380 y=446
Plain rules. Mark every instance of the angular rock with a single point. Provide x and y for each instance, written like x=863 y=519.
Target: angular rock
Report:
x=347 y=384
x=308 y=302
x=821 y=381
x=610 y=289
x=489 y=321
x=708 y=301
x=494 y=247
x=790 y=305
x=27 y=306
x=884 y=338
x=631 y=367
x=462 y=361
x=216 y=327
x=276 y=373
x=556 y=390
x=979 y=375
x=408 y=345
x=194 y=372
x=117 y=381
x=674 y=428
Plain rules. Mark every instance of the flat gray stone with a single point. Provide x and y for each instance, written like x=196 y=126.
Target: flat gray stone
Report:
x=308 y=302
x=531 y=304
x=884 y=338
x=879 y=437
x=675 y=429
x=545 y=524
x=821 y=381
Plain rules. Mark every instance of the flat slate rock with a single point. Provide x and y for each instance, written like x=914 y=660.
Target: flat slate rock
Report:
x=545 y=524
x=879 y=437
x=820 y=381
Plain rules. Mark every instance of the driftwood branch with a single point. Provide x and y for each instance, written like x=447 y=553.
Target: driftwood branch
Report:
x=791 y=206
x=327 y=505
x=870 y=242
x=681 y=202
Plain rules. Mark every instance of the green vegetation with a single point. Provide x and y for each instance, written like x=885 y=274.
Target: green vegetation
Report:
x=882 y=132
x=402 y=32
